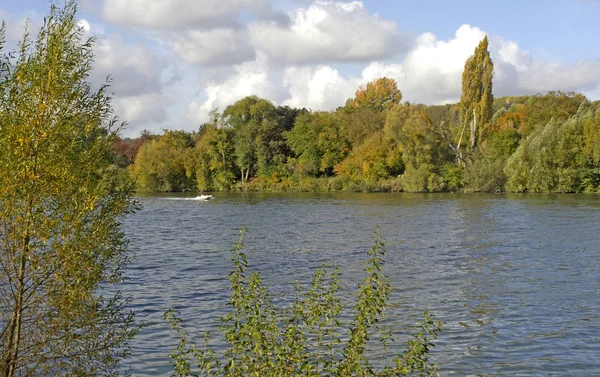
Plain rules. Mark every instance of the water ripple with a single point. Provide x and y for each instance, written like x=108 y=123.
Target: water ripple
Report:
x=514 y=277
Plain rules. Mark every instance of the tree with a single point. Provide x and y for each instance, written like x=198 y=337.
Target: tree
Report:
x=378 y=95
x=213 y=159
x=164 y=164
x=317 y=142
x=127 y=149
x=60 y=206
x=554 y=159
x=258 y=139
x=411 y=128
x=303 y=140
x=358 y=125
x=476 y=99
x=541 y=109
x=375 y=159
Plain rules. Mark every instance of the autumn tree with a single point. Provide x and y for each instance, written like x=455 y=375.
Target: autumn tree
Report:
x=60 y=208
x=126 y=149
x=377 y=95
x=476 y=97
x=375 y=159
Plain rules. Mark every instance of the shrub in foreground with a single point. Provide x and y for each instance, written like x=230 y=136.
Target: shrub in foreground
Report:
x=307 y=338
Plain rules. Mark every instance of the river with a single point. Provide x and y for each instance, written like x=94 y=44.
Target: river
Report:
x=514 y=278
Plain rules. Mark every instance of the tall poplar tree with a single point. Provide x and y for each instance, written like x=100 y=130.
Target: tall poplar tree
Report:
x=60 y=205
x=476 y=98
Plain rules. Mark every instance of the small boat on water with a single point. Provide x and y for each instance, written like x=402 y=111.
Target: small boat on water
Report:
x=204 y=197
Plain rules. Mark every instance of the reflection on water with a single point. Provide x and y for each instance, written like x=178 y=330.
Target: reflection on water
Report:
x=513 y=277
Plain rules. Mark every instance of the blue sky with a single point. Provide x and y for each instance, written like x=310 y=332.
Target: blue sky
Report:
x=173 y=61
x=562 y=29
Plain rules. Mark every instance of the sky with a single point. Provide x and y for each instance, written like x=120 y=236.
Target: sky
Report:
x=171 y=62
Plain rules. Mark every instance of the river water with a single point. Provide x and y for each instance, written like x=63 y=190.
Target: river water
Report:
x=514 y=278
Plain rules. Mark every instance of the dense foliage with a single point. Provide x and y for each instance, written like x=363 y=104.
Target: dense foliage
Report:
x=308 y=338
x=376 y=143
x=60 y=204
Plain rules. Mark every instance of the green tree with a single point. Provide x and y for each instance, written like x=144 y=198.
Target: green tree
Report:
x=476 y=98
x=303 y=140
x=258 y=136
x=557 y=105
x=358 y=125
x=317 y=142
x=213 y=159
x=165 y=164
x=60 y=206
x=554 y=159
x=411 y=128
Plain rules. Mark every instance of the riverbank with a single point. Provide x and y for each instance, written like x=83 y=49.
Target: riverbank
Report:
x=344 y=184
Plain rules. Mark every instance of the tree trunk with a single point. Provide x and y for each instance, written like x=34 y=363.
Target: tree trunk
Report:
x=473 y=128
x=16 y=322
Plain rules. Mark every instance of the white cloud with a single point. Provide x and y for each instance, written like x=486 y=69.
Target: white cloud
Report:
x=84 y=25
x=430 y=73
x=322 y=88
x=139 y=76
x=315 y=56
x=178 y=14
x=135 y=69
x=250 y=78
x=432 y=70
x=15 y=27
x=509 y=52
x=219 y=46
x=328 y=31
x=542 y=76
x=141 y=112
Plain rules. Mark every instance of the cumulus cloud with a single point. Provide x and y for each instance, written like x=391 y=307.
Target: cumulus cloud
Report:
x=543 y=76
x=138 y=76
x=219 y=46
x=314 y=56
x=328 y=31
x=15 y=27
x=141 y=111
x=179 y=14
x=84 y=25
x=249 y=78
x=134 y=68
x=430 y=73
x=321 y=88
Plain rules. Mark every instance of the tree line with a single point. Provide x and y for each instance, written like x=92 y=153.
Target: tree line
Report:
x=539 y=143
